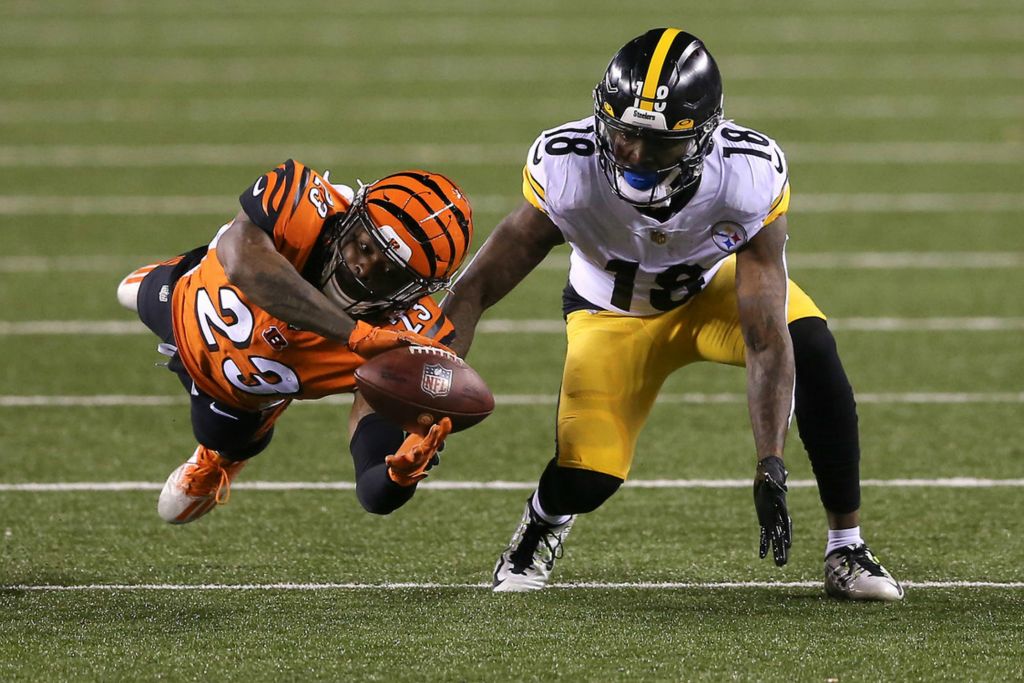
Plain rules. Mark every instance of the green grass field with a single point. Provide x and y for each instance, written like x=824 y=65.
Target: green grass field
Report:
x=127 y=130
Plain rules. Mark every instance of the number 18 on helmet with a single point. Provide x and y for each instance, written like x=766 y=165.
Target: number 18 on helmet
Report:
x=655 y=110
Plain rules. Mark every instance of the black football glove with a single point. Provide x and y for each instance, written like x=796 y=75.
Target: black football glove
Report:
x=770 y=502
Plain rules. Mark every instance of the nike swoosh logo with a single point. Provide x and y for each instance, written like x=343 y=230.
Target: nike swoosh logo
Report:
x=214 y=408
x=778 y=167
x=257 y=190
x=495 y=581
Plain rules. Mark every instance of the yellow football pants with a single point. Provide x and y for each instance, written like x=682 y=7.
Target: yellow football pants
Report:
x=615 y=366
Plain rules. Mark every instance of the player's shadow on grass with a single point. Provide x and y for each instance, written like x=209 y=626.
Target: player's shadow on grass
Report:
x=689 y=602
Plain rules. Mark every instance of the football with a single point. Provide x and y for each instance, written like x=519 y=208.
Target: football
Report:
x=415 y=386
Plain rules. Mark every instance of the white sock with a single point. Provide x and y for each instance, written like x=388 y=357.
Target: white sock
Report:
x=553 y=520
x=837 y=538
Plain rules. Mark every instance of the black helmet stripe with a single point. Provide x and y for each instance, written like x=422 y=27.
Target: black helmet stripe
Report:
x=437 y=219
x=461 y=218
x=410 y=224
x=432 y=184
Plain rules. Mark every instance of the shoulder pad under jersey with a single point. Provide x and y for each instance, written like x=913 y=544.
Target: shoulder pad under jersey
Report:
x=755 y=172
x=547 y=172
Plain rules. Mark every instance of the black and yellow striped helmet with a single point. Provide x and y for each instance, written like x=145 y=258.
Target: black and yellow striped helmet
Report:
x=663 y=88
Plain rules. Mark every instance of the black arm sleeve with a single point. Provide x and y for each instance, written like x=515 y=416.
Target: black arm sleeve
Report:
x=376 y=438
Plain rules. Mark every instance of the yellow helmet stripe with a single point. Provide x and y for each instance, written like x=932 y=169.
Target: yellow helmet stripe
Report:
x=654 y=70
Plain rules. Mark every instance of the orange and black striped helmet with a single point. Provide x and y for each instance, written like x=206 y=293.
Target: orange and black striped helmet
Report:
x=423 y=225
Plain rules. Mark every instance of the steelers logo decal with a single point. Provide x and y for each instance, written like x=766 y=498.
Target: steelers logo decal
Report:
x=728 y=236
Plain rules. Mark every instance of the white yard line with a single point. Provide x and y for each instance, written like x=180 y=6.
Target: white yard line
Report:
x=114 y=486
x=827 y=260
x=99 y=263
x=170 y=205
x=984 y=324
x=980 y=324
x=199 y=12
x=535 y=326
x=127 y=400
x=882 y=260
x=468 y=108
x=198 y=205
x=580 y=585
x=96 y=401
x=913 y=202
x=73 y=327
x=467 y=154
x=504 y=61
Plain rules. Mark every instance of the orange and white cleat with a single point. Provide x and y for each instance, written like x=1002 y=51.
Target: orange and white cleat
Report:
x=128 y=289
x=197 y=486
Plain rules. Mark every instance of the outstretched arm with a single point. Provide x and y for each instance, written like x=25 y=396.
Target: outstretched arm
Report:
x=761 y=289
x=388 y=463
x=268 y=280
x=519 y=242
x=271 y=282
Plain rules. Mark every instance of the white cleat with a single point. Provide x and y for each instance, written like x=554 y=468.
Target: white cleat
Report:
x=526 y=563
x=854 y=573
x=197 y=486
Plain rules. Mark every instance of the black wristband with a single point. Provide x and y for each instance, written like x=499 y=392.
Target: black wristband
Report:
x=375 y=438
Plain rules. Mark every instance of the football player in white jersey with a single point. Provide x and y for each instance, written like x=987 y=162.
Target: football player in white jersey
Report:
x=676 y=219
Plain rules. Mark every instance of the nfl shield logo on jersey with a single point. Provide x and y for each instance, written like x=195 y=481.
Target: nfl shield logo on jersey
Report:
x=437 y=380
x=728 y=236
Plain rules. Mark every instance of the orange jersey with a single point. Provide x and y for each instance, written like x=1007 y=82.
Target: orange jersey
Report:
x=238 y=353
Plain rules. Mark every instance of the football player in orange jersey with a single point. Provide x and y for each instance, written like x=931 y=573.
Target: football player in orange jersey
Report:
x=308 y=281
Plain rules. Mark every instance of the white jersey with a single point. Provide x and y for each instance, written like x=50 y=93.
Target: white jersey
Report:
x=625 y=261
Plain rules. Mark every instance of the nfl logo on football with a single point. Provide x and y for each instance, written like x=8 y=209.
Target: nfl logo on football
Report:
x=437 y=380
